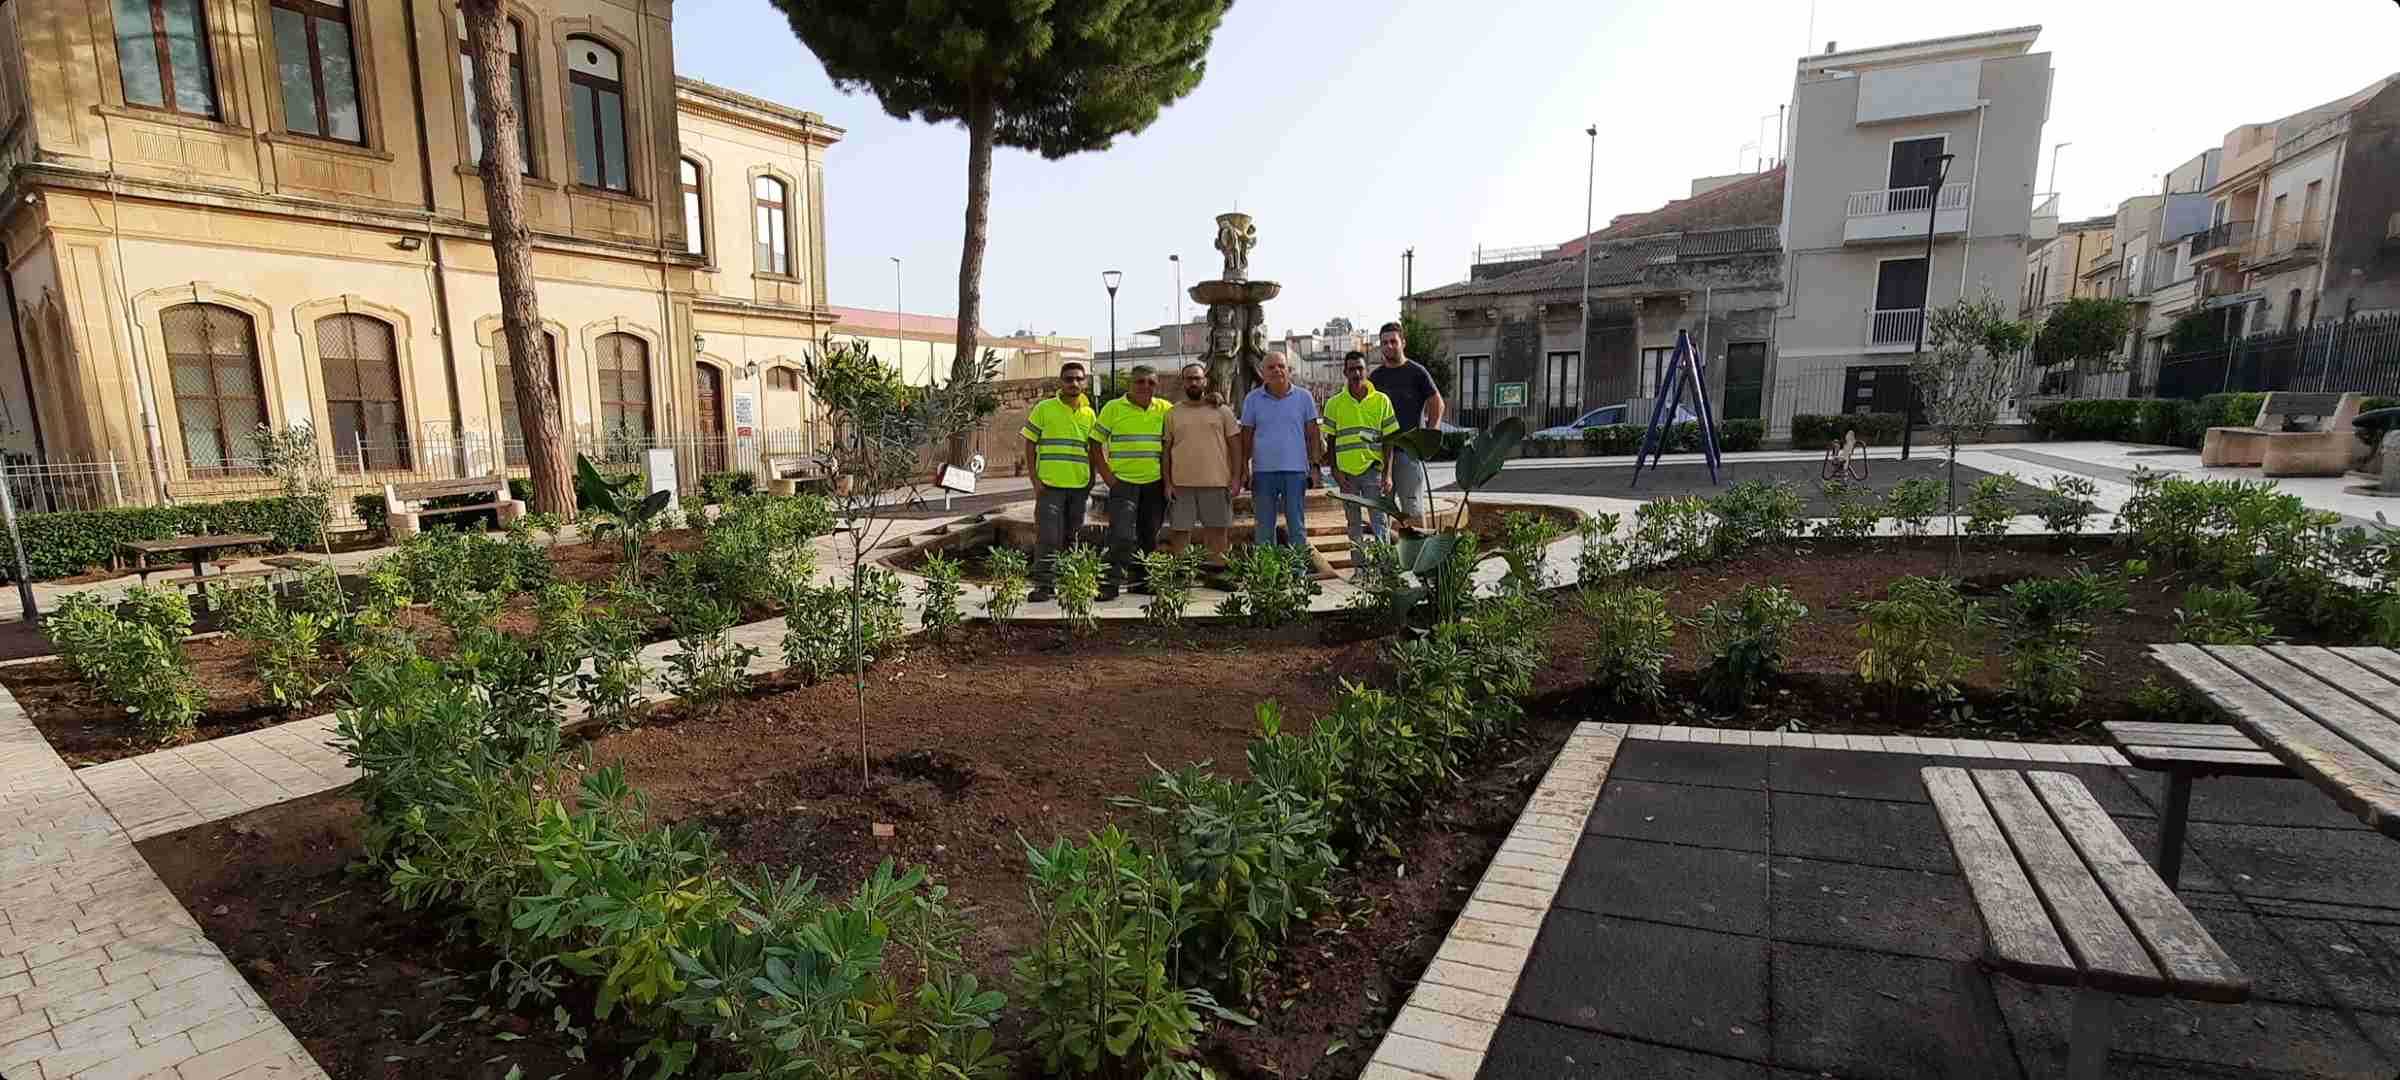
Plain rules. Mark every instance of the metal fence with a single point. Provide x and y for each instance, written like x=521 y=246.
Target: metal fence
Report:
x=362 y=468
x=2361 y=355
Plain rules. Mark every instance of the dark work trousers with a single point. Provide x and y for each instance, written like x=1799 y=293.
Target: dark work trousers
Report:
x=1135 y=513
x=1057 y=521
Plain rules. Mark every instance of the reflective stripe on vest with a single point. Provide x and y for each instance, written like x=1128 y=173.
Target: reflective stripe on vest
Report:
x=1359 y=428
x=1061 y=435
x=1135 y=438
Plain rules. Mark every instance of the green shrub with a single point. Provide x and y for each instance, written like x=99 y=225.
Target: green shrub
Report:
x=757 y=546
x=1524 y=539
x=71 y=542
x=1812 y=431
x=1988 y=508
x=1913 y=504
x=1009 y=572
x=1272 y=584
x=2226 y=616
x=132 y=651
x=1102 y=977
x=1632 y=638
x=2066 y=504
x=1855 y=509
x=1674 y=531
x=164 y=609
x=287 y=645
x=1755 y=512
x=1737 y=436
x=1170 y=576
x=726 y=485
x=1256 y=860
x=1601 y=555
x=2113 y=419
x=2162 y=421
x=1744 y=642
x=1381 y=591
x=939 y=612
x=707 y=666
x=1915 y=636
x=610 y=688
x=1612 y=439
x=2044 y=623
x=1079 y=571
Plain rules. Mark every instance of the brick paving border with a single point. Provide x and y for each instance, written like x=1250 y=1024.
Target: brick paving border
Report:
x=102 y=972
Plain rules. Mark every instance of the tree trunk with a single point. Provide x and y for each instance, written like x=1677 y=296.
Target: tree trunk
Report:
x=533 y=371
x=982 y=116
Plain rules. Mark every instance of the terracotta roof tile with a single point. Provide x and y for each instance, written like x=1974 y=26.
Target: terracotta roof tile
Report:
x=1755 y=200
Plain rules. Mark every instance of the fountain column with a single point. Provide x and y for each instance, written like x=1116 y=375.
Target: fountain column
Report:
x=1237 y=319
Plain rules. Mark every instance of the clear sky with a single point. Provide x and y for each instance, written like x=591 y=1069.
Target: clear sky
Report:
x=1354 y=130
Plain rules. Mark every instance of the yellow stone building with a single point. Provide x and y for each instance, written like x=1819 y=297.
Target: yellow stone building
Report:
x=227 y=213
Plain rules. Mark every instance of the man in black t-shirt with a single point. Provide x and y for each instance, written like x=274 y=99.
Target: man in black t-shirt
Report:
x=1419 y=404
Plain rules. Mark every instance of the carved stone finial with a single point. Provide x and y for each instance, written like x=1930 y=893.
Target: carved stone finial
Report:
x=1235 y=237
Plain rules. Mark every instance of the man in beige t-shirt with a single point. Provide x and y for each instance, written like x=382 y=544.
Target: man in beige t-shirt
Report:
x=1203 y=466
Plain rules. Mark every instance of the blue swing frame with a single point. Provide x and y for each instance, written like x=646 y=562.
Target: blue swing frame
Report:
x=1684 y=369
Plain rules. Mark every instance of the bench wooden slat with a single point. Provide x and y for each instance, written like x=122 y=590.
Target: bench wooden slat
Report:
x=2288 y=403
x=2369 y=730
x=2349 y=774
x=433 y=488
x=2190 y=959
x=229 y=575
x=2018 y=931
x=2346 y=675
x=2204 y=761
x=2194 y=736
x=2111 y=957
x=2382 y=662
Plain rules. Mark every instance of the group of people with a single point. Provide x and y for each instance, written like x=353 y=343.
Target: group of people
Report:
x=1182 y=464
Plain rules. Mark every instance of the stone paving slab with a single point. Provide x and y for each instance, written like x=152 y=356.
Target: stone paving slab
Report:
x=102 y=972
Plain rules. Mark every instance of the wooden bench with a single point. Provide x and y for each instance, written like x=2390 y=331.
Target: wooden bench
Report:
x=787 y=472
x=2065 y=900
x=2282 y=445
x=2186 y=752
x=404 y=517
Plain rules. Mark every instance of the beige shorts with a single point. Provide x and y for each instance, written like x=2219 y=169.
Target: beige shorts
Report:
x=1207 y=508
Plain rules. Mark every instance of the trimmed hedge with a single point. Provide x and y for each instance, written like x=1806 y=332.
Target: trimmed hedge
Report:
x=2161 y=422
x=1682 y=437
x=1811 y=431
x=74 y=541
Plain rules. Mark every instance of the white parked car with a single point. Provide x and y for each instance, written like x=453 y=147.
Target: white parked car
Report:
x=1602 y=417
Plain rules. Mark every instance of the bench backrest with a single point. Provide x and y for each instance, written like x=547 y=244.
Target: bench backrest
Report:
x=495 y=485
x=2332 y=412
x=790 y=466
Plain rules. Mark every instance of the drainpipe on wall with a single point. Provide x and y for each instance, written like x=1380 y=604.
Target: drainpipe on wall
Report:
x=1966 y=235
x=433 y=245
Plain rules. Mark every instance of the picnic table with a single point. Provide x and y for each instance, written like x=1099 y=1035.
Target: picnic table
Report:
x=199 y=547
x=2331 y=714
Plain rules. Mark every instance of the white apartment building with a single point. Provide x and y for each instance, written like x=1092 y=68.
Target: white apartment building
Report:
x=1869 y=130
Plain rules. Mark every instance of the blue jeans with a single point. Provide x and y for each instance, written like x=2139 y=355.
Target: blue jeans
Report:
x=1369 y=484
x=1285 y=492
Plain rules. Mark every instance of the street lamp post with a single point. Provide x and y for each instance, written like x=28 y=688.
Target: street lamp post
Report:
x=1178 y=261
x=1583 y=340
x=1933 y=201
x=899 y=343
x=1110 y=278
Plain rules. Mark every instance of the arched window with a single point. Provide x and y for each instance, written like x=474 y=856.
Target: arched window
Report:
x=512 y=426
x=514 y=41
x=774 y=224
x=362 y=391
x=219 y=403
x=162 y=55
x=623 y=364
x=695 y=208
x=596 y=97
x=783 y=378
x=318 y=70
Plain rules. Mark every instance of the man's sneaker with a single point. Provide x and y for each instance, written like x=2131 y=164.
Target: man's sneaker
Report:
x=1107 y=592
x=1142 y=588
x=1040 y=594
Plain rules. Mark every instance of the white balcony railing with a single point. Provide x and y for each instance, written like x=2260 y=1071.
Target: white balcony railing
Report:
x=1894 y=326
x=1905 y=200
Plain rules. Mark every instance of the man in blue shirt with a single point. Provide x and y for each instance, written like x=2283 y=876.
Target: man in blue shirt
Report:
x=1281 y=440
x=1418 y=402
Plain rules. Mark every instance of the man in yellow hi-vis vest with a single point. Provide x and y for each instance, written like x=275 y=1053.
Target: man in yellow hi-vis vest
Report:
x=1132 y=435
x=1059 y=455
x=1361 y=418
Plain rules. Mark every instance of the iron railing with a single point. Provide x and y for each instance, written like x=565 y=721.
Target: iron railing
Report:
x=1906 y=199
x=2293 y=241
x=2224 y=234
x=1894 y=326
x=2336 y=355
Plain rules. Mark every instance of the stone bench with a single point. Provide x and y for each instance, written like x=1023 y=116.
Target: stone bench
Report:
x=404 y=513
x=2295 y=435
x=2065 y=900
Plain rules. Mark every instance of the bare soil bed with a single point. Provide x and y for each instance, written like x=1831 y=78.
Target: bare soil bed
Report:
x=1004 y=737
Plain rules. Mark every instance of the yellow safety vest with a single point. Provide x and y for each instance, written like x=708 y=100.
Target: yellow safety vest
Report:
x=1359 y=428
x=1062 y=438
x=1136 y=438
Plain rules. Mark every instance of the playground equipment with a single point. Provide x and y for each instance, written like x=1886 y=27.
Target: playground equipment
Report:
x=1685 y=370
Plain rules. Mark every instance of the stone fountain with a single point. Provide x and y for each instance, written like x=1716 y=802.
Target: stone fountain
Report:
x=1237 y=315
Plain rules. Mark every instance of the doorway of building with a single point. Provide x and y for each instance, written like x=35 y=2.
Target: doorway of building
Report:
x=712 y=418
x=1882 y=388
x=1745 y=379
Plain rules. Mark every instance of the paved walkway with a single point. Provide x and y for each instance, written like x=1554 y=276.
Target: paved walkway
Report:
x=1791 y=910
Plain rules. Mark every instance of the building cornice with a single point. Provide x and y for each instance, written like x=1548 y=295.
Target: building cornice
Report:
x=755 y=112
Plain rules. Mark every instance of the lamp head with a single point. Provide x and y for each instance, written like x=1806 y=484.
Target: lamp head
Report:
x=1110 y=278
x=1941 y=168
